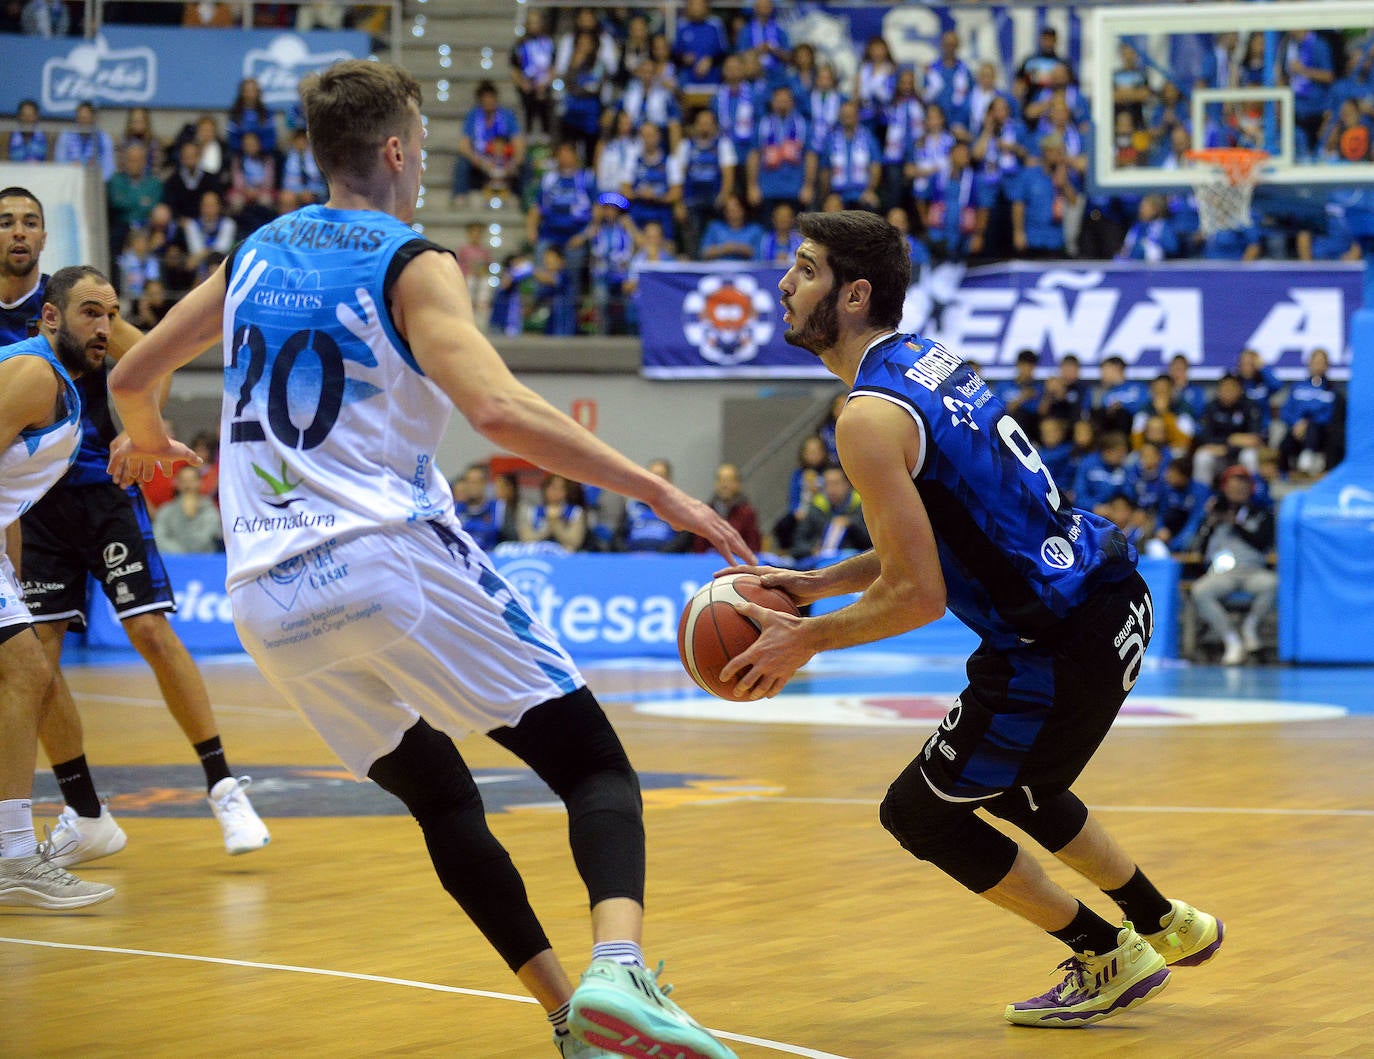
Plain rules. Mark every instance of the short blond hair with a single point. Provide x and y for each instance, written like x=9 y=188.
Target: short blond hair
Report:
x=352 y=108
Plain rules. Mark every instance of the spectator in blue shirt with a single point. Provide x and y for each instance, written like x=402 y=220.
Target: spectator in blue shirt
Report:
x=1103 y=473
x=86 y=143
x=28 y=143
x=779 y=169
x=955 y=223
x=700 y=44
x=904 y=123
x=532 y=69
x=948 y=83
x=710 y=164
x=766 y=42
x=1309 y=72
x=735 y=238
x=1310 y=413
x=475 y=507
x=640 y=529
x=1065 y=395
x=555 y=293
x=1057 y=452
x=1151 y=238
x=1192 y=396
x=655 y=182
x=583 y=83
x=1021 y=394
x=851 y=161
x=1259 y=382
x=916 y=248
x=248 y=113
x=562 y=206
x=1039 y=198
x=1118 y=399
x=779 y=246
x=610 y=241
x=1233 y=244
x=483 y=125
x=1182 y=506
x=737 y=104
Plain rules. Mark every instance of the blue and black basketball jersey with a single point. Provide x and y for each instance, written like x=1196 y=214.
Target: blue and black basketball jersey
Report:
x=15 y=319
x=1016 y=558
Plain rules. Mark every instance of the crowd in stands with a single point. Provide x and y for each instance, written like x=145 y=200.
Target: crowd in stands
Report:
x=703 y=146
x=60 y=18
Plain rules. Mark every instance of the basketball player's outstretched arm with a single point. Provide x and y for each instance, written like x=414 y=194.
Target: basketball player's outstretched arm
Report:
x=878 y=446
x=431 y=309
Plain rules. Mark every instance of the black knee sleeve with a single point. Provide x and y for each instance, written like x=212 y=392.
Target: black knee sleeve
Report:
x=1053 y=822
x=573 y=748
x=427 y=773
x=947 y=834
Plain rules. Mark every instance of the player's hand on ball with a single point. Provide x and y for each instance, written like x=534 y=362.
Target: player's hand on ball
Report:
x=804 y=586
x=764 y=668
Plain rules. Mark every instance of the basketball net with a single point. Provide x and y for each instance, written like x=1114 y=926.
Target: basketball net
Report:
x=1224 y=178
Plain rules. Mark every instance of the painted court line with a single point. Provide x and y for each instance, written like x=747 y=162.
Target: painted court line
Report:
x=159 y=704
x=775 y=1046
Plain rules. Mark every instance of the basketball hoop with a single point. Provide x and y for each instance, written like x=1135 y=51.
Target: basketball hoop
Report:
x=1224 y=178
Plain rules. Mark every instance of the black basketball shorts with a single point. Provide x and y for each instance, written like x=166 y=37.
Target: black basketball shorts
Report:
x=100 y=530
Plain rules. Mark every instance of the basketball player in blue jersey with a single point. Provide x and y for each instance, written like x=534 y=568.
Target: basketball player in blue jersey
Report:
x=354 y=586
x=85 y=524
x=40 y=429
x=965 y=516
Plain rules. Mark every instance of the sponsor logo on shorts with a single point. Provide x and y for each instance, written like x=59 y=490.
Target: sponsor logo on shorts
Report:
x=122 y=593
x=123 y=571
x=115 y=553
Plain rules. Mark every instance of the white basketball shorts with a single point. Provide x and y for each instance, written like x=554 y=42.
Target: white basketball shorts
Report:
x=12 y=609
x=366 y=636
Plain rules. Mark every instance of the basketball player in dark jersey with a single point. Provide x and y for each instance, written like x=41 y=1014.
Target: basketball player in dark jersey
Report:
x=87 y=524
x=964 y=515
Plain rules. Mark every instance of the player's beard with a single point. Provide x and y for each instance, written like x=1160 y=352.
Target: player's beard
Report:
x=9 y=269
x=72 y=352
x=821 y=331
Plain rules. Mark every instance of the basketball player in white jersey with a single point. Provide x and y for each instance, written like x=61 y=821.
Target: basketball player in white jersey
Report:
x=348 y=339
x=40 y=429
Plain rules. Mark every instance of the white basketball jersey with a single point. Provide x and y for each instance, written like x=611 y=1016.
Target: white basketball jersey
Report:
x=36 y=459
x=328 y=428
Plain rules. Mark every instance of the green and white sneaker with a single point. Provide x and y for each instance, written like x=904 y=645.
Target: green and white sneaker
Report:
x=623 y=1010
x=1096 y=987
x=1191 y=937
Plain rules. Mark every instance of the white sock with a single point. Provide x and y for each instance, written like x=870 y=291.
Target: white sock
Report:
x=16 y=828
x=626 y=953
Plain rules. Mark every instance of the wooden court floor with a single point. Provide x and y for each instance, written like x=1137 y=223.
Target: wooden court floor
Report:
x=787 y=917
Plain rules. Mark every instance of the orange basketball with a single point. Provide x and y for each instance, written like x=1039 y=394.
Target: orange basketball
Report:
x=711 y=632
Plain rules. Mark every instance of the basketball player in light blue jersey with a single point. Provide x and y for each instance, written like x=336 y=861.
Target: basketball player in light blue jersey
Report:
x=40 y=430
x=964 y=515
x=348 y=340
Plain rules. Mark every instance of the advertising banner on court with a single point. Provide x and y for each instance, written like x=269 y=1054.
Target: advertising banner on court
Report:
x=183 y=69
x=599 y=606
x=725 y=321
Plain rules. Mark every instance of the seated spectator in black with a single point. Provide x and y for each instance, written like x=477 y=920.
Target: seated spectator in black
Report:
x=581 y=93
x=475 y=507
x=1236 y=538
x=1102 y=473
x=640 y=529
x=1037 y=71
x=189 y=524
x=27 y=143
x=187 y=183
x=1179 y=425
x=803 y=487
x=509 y=507
x=1181 y=507
x=1064 y=394
x=555 y=297
x=1057 y=452
x=248 y=113
x=700 y=45
x=1117 y=399
x=477 y=158
x=150 y=309
x=1311 y=414
x=779 y=246
x=733 y=238
x=1151 y=238
x=731 y=504
x=709 y=163
x=1022 y=393
x=532 y=68
x=1231 y=431
x=835 y=521
x=559 y=517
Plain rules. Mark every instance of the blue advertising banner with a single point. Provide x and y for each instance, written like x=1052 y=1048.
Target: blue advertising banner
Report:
x=600 y=606
x=724 y=321
x=186 y=69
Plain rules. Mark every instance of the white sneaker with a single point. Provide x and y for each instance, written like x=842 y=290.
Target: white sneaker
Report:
x=244 y=830
x=1234 y=654
x=36 y=882
x=1250 y=640
x=77 y=839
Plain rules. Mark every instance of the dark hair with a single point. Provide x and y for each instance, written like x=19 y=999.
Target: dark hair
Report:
x=485 y=88
x=1028 y=356
x=351 y=108
x=59 y=287
x=1232 y=377
x=1118 y=361
x=1067 y=357
x=861 y=245
x=24 y=193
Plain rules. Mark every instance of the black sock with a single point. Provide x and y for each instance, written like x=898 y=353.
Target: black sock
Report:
x=1088 y=933
x=78 y=789
x=1143 y=905
x=213 y=761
